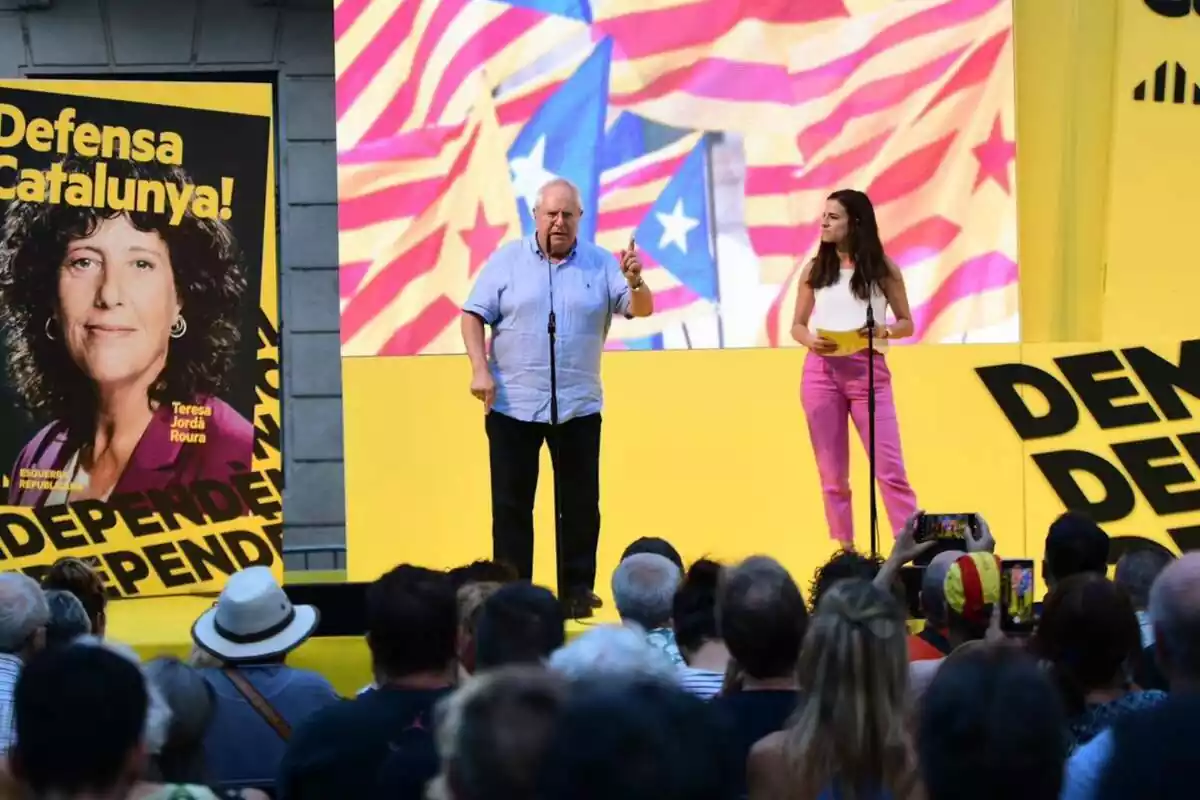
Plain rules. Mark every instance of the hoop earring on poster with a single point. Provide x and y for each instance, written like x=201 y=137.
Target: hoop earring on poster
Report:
x=178 y=327
x=49 y=329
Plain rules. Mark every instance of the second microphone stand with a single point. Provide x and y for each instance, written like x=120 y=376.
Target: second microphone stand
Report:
x=871 y=426
x=551 y=329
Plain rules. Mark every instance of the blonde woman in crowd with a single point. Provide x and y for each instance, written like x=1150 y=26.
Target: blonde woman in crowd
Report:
x=470 y=602
x=849 y=738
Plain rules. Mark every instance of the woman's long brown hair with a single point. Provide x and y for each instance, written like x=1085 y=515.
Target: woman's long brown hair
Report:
x=74 y=575
x=863 y=244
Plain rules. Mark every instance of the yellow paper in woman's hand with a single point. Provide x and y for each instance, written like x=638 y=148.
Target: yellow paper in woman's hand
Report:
x=848 y=342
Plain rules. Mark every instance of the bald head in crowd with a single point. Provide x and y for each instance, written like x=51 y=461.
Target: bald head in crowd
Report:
x=1175 y=609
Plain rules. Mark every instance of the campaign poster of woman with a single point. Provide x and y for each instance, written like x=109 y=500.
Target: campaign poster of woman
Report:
x=128 y=307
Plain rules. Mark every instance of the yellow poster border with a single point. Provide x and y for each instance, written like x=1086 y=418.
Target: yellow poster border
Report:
x=251 y=99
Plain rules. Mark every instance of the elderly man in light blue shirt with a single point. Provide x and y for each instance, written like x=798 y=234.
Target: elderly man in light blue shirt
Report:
x=514 y=294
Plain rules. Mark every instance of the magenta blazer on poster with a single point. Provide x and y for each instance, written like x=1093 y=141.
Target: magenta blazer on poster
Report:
x=157 y=461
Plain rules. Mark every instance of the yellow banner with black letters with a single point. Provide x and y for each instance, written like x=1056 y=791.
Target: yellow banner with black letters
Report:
x=138 y=296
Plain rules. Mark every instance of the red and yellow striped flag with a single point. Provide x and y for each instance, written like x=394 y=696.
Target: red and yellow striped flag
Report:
x=936 y=158
x=715 y=64
x=910 y=100
x=384 y=184
x=407 y=64
x=402 y=297
x=819 y=66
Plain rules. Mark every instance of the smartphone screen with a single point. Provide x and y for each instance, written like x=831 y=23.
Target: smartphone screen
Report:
x=1016 y=595
x=932 y=527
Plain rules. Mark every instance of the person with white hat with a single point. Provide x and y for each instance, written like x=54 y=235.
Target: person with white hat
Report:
x=260 y=700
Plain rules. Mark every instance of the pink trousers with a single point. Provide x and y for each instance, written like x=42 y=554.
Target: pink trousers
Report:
x=833 y=391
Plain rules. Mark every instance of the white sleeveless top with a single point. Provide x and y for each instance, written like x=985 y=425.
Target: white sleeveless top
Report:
x=836 y=308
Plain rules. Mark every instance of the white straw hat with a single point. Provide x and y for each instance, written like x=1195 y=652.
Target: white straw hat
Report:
x=253 y=618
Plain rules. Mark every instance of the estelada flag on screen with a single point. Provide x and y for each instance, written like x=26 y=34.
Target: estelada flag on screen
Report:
x=404 y=297
x=917 y=111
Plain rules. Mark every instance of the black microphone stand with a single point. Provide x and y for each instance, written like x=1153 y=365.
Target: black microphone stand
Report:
x=551 y=329
x=871 y=424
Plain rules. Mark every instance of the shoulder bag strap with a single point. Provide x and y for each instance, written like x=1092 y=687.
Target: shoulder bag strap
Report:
x=259 y=703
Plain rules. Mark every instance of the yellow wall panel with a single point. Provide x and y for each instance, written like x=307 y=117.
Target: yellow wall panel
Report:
x=707 y=448
x=1065 y=61
x=1153 y=280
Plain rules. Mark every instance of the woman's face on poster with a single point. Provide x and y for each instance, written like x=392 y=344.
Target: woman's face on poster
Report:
x=117 y=302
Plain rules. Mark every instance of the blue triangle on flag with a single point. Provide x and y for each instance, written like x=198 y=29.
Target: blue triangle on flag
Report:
x=652 y=342
x=575 y=9
x=564 y=139
x=625 y=141
x=677 y=231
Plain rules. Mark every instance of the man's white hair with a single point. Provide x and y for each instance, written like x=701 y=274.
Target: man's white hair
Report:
x=158 y=712
x=613 y=651
x=23 y=609
x=541 y=193
x=644 y=587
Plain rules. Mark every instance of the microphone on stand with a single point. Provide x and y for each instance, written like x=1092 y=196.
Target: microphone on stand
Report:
x=551 y=330
x=871 y=424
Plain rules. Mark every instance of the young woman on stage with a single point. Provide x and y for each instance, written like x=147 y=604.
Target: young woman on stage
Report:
x=849 y=271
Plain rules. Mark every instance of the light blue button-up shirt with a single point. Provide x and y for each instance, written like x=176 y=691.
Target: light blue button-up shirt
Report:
x=512 y=295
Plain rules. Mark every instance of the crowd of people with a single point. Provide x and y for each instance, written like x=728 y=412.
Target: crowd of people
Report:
x=721 y=681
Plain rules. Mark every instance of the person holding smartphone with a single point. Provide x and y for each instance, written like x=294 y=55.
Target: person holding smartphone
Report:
x=849 y=273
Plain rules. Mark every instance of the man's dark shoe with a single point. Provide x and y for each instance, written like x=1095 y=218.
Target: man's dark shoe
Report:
x=581 y=604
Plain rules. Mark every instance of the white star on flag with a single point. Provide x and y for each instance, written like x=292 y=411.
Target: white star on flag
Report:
x=530 y=173
x=676 y=227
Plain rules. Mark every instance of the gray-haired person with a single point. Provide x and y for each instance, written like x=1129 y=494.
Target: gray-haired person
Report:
x=1136 y=572
x=68 y=618
x=24 y=614
x=643 y=587
x=606 y=652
